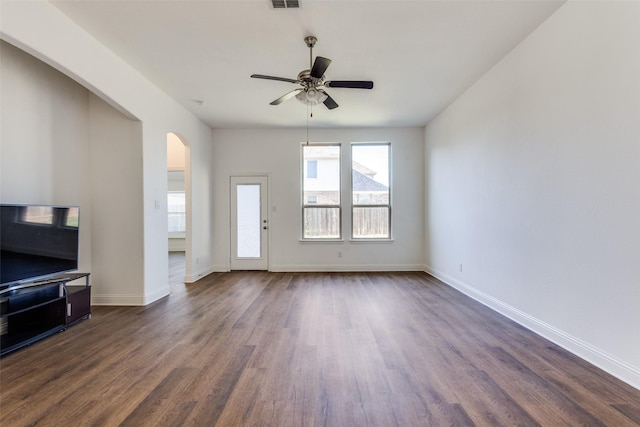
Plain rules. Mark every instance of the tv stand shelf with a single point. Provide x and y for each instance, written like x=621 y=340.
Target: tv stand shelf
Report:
x=32 y=311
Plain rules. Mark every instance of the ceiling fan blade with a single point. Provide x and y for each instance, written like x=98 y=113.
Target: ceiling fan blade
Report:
x=320 y=65
x=285 y=97
x=282 y=79
x=329 y=102
x=353 y=84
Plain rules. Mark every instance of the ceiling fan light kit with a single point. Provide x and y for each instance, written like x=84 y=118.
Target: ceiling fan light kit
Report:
x=313 y=82
x=311 y=96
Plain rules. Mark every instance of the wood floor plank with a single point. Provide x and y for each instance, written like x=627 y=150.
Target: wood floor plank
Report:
x=213 y=402
x=542 y=398
x=154 y=404
x=632 y=412
x=307 y=349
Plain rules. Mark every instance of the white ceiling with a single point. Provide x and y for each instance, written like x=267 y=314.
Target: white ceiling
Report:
x=421 y=55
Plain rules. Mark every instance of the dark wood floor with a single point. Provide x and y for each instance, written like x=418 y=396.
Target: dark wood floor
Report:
x=283 y=349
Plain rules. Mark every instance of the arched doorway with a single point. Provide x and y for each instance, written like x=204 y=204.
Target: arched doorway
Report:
x=178 y=208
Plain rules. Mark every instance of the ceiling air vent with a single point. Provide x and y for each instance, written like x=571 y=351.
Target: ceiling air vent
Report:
x=285 y=4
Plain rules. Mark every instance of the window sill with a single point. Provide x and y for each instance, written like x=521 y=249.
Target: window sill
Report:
x=321 y=240
x=177 y=235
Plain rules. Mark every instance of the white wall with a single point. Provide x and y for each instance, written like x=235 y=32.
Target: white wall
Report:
x=63 y=146
x=532 y=185
x=41 y=30
x=45 y=158
x=201 y=237
x=276 y=152
x=116 y=213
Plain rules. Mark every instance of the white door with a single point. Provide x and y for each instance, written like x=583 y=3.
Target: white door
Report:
x=249 y=223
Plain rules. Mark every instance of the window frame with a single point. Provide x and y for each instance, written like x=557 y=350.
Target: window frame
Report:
x=388 y=205
x=316 y=205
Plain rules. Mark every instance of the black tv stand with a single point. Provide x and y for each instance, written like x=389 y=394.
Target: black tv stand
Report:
x=32 y=311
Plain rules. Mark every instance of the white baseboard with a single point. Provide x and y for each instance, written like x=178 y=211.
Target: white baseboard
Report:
x=129 y=299
x=156 y=295
x=618 y=368
x=221 y=268
x=297 y=268
x=118 y=299
x=197 y=275
x=345 y=268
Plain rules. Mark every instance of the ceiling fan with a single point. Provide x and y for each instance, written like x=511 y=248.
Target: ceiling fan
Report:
x=313 y=82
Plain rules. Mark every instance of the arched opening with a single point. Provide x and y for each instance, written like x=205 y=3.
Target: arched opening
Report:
x=178 y=209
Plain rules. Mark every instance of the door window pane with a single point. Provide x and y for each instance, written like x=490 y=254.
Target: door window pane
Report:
x=248 y=220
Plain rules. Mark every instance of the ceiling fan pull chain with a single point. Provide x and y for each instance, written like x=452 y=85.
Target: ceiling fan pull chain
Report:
x=307 y=125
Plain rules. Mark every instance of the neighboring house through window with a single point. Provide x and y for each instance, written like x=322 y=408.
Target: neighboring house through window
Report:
x=312 y=169
x=321 y=209
x=371 y=206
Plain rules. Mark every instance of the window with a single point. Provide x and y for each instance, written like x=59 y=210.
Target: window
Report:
x=71 y=217
x=176 y=209
x=370 y=189
x=321 y=209
x=38 y=215
x=312 y=168
x=56 y=216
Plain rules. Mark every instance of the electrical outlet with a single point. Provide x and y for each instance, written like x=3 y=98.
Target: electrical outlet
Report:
x=339 y=254
x=460 y=268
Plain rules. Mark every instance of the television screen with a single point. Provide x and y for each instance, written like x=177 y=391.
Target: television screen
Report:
x=37 y=241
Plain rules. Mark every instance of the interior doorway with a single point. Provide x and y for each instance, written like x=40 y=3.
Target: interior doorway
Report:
x=179 y=200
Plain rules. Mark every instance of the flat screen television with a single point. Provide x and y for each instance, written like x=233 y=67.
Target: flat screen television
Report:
x=37 y=242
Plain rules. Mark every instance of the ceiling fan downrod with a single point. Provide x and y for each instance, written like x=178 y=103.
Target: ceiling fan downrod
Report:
x=311 y=42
